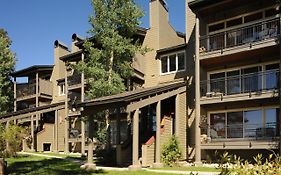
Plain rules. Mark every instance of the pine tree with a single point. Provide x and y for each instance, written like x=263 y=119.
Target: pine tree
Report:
x=7 y=64
x=111 y=48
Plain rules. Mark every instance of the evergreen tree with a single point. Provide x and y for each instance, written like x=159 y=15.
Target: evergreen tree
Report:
x=110 y=50
x=7 y=64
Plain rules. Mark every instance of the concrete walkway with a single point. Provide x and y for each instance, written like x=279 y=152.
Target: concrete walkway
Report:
x=81 y=162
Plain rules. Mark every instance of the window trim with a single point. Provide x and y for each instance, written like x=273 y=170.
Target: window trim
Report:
x=168 y=63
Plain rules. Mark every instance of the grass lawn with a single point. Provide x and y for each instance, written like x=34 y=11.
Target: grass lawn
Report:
x=191 y=168
x=34 y=165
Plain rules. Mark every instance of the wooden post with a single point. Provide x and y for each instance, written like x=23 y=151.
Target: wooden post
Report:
x=157 y=163
x=135 y=164
x=66 y=119
x=32 y=133
x=82 y=119
x=197 y=97
x=37 y=98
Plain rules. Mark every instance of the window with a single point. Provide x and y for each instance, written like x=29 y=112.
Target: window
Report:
x=252 y=79
x=271 y=76
x=217 y=82
x=253 y=17
x=173 y=63
x=216 y=27
x=217 y=127
x=234 y=124
x=234 y=22
x=164 y=64
x=245 y=80
x=61 y=89
x=252 y=122
x=233 y=82
x=271 y=120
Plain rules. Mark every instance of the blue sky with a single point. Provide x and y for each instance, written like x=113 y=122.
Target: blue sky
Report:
x=34 y=25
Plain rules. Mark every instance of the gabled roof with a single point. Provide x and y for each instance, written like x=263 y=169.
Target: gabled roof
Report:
x=33 y=69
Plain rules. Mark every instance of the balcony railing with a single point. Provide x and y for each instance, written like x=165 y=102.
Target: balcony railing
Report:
x=74 y=79
x=26 y=89
x=245 y=83
x=258 y=31
x=260 y=131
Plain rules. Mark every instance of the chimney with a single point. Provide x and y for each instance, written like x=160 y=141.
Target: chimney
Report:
x=158 y=12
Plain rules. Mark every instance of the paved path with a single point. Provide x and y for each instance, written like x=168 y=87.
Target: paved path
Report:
x=81 y=162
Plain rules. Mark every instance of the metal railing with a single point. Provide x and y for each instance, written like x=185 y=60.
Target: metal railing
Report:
x=241 y=131
x=245 y=83
x=243 y=35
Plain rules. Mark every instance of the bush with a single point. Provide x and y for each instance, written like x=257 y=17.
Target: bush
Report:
x=233 y=165
x=13 y=135
x=171 y=152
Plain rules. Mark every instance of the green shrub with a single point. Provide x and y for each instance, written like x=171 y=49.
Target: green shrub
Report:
x=233 y=165
x=171 y=152
x=12 y=135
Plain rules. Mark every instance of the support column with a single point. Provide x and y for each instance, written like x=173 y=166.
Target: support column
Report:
x=66 y=119
x=83 y=138
x=15 y=93
x=279 y=86
x=37 y=98
x=32 y=133
x=15 y=97
x=177 y=115
x=82 y=119
x=135 y=164
x=197 y=97
x=157 y=163
x=56 y=132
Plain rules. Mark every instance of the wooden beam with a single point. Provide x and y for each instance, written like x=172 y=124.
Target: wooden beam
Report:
x=20 y=116
x=151 y=100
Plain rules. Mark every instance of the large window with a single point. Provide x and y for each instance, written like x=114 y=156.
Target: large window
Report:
x=256 y=123
x=250 y=79
x=252 y=122
x=234 y=124
x=271 y=77
x=172 y=63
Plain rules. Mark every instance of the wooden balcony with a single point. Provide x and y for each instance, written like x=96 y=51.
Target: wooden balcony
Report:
x=259 y=85
x=28 y=90
x=245 y=37
x=240 y=136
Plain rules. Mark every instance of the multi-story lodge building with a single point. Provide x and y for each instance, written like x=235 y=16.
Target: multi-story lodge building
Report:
x=237 y=80
x=215 y=87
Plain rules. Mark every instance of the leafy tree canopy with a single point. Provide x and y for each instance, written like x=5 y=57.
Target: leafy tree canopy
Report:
x=7 y=64
x=110 y=50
